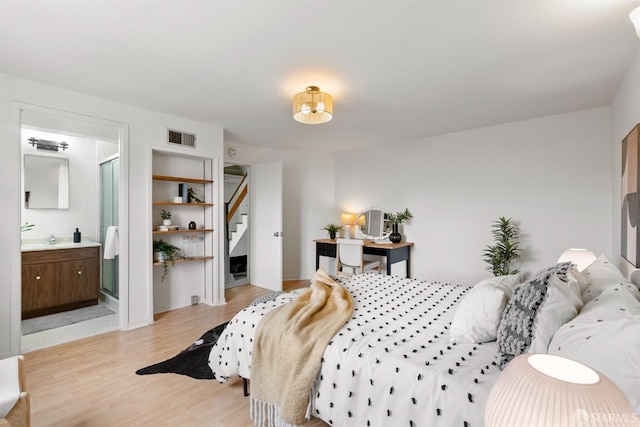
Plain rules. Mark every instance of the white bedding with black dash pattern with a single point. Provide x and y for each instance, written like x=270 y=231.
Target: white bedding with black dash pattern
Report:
x=391 y=365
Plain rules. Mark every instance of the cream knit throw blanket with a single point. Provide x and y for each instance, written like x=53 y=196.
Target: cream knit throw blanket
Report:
x=288 y=348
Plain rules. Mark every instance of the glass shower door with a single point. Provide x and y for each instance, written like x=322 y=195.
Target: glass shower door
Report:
x=109 y=180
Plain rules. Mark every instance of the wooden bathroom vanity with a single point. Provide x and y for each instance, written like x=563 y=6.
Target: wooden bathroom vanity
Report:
x=55 y=280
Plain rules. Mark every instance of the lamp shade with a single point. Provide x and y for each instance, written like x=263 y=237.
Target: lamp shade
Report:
x=580 y=257
x=548 y=390
x=347 y=218
x=635 y=19
x=312 y=106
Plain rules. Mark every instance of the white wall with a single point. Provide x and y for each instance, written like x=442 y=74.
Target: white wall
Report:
x=626 y=115
x=147 y=129
x=308 y=199
x=551 y=175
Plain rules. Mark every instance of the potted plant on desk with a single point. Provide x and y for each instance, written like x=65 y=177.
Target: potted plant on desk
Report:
x=332 y=229
x=396 y=219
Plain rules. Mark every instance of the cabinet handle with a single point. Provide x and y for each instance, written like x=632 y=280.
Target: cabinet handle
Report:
x=37 y=277
x=79 y=272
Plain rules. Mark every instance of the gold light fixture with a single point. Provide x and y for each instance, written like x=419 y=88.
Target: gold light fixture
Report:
x=635 y=19
x=312 y=106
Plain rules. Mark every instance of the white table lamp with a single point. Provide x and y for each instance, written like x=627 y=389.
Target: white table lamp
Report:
x=548 y=390
x=580 y=257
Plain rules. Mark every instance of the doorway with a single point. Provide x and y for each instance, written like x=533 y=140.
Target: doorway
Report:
x=238 y=217
x=89 y=141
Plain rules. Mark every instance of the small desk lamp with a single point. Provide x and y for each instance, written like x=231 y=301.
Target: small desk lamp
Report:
x=545 y=390
x=347 y=220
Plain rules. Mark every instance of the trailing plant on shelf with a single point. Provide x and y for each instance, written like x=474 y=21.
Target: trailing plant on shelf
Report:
x=192 y=195
x=167 y=253
x=332 y=229
x=506 y=248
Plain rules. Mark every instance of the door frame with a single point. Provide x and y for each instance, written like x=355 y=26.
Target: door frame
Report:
x=122 y=130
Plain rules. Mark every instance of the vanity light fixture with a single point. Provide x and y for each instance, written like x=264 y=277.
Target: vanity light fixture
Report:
x=312 y=106
x=45 y=144
x=635 y=19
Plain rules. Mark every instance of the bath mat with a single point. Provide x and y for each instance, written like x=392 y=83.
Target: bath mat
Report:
x=51 y=321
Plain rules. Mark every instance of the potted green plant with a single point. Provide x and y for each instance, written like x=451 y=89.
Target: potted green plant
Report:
x=332 y=229
x=166 y=217
x=396 y=219
x=506 y=248
x=26 y=227
x=166 y=253
x=192 y=196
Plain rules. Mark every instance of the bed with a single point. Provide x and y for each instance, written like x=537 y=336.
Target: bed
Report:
x=417 y=353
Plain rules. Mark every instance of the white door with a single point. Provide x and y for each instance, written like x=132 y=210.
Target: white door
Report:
x=266 y=225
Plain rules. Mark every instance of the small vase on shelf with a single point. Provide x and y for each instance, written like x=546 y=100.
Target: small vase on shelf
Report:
x=395 y=236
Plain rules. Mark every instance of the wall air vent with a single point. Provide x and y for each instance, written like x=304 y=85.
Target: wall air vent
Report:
x=182 y=138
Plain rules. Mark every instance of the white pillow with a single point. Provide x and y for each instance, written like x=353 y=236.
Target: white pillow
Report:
x=536 y=310
x=606 y=337
x=577 y=280
x=478 y=315
x=601 y=274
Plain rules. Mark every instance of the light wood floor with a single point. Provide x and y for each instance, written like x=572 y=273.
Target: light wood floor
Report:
x=92 y=382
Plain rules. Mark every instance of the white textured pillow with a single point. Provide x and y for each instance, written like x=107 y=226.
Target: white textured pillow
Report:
x=606 y=337
x=601 y=274
x=478 y=315
x=537 y=309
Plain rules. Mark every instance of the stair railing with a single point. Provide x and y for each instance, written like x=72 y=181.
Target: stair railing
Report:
x=236 y=199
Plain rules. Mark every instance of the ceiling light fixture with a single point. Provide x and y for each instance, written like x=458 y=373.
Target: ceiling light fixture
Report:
x=312 y=106
x=635 y=19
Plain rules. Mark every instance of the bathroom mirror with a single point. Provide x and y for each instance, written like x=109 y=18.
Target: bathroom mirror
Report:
x=370 y=224
x=46 y=182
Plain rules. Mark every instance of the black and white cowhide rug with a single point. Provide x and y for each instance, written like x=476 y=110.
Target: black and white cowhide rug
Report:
x=192 y=361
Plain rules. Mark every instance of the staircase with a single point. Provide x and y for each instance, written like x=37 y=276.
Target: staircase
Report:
x=237 y=232
x=238 y=236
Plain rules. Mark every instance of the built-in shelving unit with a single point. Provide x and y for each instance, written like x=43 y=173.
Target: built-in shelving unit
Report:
x=197 y=274
x=178 y=179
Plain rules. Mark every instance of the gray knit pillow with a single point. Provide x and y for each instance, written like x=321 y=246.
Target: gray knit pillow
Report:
x=516 y=329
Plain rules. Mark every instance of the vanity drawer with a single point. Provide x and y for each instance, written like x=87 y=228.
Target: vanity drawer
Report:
x=57 y=255
x=326 y=249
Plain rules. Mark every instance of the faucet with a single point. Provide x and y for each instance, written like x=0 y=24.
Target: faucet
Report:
x=52 y=240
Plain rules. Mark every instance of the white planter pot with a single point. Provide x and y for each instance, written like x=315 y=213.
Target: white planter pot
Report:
x=166 y=222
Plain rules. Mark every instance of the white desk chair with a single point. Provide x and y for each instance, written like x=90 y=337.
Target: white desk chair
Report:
x=350 y=258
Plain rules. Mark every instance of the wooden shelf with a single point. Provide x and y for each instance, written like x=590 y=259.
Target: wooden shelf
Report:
x=183 y=230
x=179 y=261
x=182 y=204
x=179 y=179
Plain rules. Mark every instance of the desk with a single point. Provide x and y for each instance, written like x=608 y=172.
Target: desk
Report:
x=394 y=252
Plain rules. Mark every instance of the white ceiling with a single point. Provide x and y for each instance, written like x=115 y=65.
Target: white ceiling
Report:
x=398 y=70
